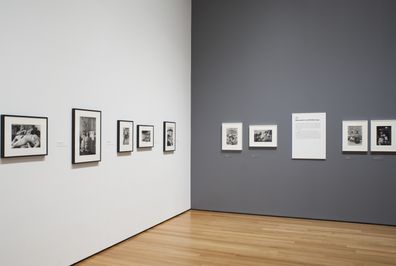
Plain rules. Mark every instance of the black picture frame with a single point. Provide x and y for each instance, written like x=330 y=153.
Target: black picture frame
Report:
x=166 y=147
x=139 y=143
x=9 y=152
x=119 y=144
x=98 y=141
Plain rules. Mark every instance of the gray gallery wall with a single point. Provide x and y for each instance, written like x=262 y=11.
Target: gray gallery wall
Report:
x=257 y=62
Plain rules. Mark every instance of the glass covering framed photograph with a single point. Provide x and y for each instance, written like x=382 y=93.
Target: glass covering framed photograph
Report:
x=145 y=136
x=124 y=136
x=232 y=139
x=383 y=135
x=263 y=136
x=355 y=136
x=24 y=136
x=169 y=136
x=86 y=136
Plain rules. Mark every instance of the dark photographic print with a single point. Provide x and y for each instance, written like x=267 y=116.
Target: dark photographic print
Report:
x=263 y=136
x=232 y=136
x=169 y=136
x=124 y=136
x=355 y=135
x=384 y=135
x=24 y=136
x=86 y=135
x=145 y=136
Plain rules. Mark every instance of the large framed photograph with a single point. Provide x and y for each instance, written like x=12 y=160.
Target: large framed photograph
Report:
x=263 y=136
x=24 y=136
x=169 y=136
x=383 y=135
x=145 y=136
x=232 y=139
x=86 y=136
x=124 y=136
x=355 y=136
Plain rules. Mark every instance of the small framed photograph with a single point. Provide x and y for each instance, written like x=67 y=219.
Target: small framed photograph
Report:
x=24 y=136
x=124 y=136
x=86 y=136
x=145 y=136
x=169 y=136
x=355 y=136
x=232 y=139
x=383 y=135
x=263 y=136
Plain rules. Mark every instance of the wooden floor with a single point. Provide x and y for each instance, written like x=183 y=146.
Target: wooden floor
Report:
x=212 y=238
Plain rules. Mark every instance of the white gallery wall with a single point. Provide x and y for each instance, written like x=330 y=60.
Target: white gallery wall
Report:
x=131 y=60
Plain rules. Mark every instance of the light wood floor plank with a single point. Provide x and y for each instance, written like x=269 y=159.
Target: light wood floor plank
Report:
x=223 y=239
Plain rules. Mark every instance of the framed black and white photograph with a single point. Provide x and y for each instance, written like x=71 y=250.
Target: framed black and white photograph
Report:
x=86 y=136
x=232 y=139
x=24 y=136
x=145 y=136
x=355 y=136
x=383 y=135
x=169 y=136
x=263 y=136
x=124 y=136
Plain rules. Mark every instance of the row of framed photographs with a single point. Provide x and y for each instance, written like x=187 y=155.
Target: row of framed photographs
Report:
x=259 y=136
x=354 y=138
x=145 y=136
x=28 y=136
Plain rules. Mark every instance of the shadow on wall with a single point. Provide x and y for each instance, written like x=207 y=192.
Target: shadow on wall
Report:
x=17 y=160
x=84 y=165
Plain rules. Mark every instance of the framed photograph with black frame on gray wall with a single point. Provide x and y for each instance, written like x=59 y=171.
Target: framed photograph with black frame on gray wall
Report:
x=24 y=136
x=86 y=136
x=169 y=136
